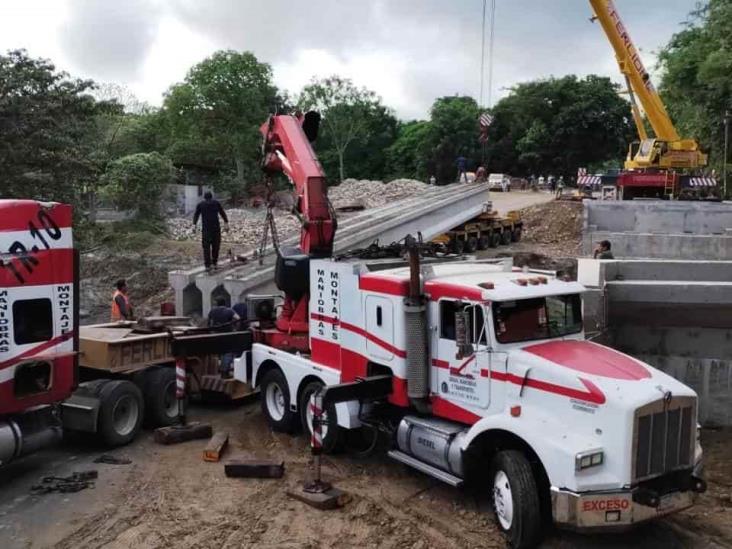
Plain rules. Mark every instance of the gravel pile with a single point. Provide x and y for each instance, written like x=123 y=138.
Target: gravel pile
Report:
x=246 y=225
x=375 y=193
x=556 y=225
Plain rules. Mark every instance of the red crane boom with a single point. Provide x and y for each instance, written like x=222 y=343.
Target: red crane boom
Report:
x=287 y=149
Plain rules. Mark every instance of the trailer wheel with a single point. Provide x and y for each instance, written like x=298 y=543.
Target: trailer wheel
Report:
x=471 y=244
x=275 y=401
x=495 y=239
x=506 y=237
x=515 y=499
x=332 y=436
x=120 y=412
x=457 y=246
x=516 y=234
x=484 y=242
x=161 y=406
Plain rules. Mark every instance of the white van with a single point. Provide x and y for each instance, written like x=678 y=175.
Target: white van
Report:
x=499 y=182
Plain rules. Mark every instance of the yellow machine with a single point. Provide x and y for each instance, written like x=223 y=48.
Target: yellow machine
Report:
x=667 y=150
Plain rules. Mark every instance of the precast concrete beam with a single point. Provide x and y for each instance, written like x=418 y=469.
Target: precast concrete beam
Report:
x=433 y=212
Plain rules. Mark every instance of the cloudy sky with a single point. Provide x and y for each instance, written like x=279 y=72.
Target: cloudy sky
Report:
x=408 y=51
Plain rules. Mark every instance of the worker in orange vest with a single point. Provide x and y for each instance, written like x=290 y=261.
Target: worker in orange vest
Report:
x=121 y=308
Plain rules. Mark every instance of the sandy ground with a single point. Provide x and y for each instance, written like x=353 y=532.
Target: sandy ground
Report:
x=169 y=497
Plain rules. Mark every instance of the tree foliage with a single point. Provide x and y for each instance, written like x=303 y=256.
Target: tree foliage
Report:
x=137 y=182
x=356 y=130
x=696 y=79
x=213 y=116
x=49 y=129
x=557 y=125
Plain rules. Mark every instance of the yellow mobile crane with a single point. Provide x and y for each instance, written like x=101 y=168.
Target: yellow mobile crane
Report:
x=653 y=161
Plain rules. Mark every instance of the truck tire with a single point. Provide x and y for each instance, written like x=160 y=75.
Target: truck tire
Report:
x=471 y=244
x=332 y=439
x=121 y=409
x=484 y=242
x=506 y=237
x=161 y=406
x=495 y=239
x=457 y=246
x=275 y=401
x=516 y=234
x=515 y=499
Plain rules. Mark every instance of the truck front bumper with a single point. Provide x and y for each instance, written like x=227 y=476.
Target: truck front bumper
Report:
x=618 y=510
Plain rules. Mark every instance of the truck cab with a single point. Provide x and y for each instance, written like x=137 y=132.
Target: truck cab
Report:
x=492 y=382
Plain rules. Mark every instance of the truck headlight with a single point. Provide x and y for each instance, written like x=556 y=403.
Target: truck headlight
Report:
x=590 y=458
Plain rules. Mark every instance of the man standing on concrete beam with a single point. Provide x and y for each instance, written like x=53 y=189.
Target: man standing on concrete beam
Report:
x=209 y=211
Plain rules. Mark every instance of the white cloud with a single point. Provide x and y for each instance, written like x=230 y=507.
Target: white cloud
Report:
x=408 y=51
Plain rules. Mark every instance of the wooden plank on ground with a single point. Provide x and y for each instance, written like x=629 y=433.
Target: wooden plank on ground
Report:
x=254 y=468
x=182 y=433
x=216 y=446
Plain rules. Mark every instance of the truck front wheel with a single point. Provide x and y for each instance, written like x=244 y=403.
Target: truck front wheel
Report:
x=515 y=499
x=275 y=400
x=330 y=432
x=120 y=412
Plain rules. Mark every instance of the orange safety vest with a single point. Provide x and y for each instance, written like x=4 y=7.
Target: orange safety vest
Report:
x=116 y=313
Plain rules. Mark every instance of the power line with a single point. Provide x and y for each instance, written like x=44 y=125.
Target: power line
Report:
x=482 y=56
x=490 y=51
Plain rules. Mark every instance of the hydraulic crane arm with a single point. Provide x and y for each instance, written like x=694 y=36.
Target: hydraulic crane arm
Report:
x=632 y=67
x=667 y=150
x=287 y=149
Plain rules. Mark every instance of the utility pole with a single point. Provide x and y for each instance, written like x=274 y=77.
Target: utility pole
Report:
x=726 y=148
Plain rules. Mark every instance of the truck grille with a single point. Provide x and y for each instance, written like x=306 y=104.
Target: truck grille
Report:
x=664 y=437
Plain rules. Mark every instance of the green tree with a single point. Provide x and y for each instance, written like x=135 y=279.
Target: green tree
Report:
x=137 y=182
x=408 y=155
x=696 y=81
x=213 y=116
x=352 y=117
x=453 y=132
x=558 y=125
x=49 y=129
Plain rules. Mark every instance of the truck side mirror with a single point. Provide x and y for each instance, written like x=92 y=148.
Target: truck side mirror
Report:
x=462 y=335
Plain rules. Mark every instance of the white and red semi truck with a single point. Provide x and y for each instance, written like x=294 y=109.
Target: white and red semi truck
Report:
x=479 y=375
x=491 y=381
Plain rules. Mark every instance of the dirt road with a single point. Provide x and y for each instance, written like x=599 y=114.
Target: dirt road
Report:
x=505 y=202
x=169 y=497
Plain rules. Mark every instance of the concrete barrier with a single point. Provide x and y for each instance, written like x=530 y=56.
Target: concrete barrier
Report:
x=675 y=315
x=660 y=228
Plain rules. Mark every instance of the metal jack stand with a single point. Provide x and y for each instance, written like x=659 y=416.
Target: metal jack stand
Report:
x=317 y=485
x=316 y=492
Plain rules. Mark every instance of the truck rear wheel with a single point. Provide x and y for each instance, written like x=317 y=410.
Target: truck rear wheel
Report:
x=495 y=239
x=331 y=433
x=515 y=499
x=471 y=244
x=161 y=406
x=506 y=237
x=457 y=246
x=275 y=401
x=121 y=410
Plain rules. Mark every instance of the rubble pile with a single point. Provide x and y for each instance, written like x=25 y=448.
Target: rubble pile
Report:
x=557 y=225
x=375 y=193
x=246 y=225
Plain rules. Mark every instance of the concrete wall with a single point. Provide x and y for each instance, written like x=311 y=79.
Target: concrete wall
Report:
x=184 y=198
x=659 y=216
x=675 y=315
x=660 y=229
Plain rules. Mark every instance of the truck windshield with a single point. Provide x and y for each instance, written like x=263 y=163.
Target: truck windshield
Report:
x=537 y=318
